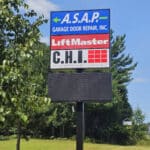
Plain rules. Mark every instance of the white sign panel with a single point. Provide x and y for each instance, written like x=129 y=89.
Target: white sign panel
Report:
x=83 y=58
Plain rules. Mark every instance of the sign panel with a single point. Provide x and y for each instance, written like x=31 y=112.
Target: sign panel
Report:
x=80 y=22
x=83 y=58
x=80 y=87
x=80 y=41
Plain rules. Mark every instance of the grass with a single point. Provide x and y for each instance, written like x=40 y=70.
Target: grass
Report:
x=36 y=144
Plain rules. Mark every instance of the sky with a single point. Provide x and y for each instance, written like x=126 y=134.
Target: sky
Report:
x=129 y=17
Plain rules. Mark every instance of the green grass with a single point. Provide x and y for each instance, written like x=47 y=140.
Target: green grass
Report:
x=36 y=144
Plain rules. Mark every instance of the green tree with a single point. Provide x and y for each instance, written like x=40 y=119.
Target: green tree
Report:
x=138 y=117
x=139 y=129
x=20 y=80
x=62 y=117
x=57 y=121
x=105 y=120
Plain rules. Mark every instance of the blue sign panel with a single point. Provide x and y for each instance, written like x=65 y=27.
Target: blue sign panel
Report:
x=80 y=22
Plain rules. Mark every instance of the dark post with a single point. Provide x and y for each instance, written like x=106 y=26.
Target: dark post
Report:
x=80 y=126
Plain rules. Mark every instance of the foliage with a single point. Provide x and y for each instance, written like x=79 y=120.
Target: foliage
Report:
x=57 y=121
x=139 y=129
x=20 y=82
x=104 y=121
x=138 y=117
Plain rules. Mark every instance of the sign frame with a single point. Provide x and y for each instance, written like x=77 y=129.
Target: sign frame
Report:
x=61 y=65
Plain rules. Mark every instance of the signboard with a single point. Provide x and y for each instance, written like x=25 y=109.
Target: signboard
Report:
x=80 y=22
x=83 y=58
x=127 y=122
x=83 y=87
x=89 y=41
x=80 y=39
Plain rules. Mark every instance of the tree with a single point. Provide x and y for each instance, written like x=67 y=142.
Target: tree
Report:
x=138 y=117
x=19 y=79
x=105 y=120
x=62 y=118
x=57 y=121
x=139 y=129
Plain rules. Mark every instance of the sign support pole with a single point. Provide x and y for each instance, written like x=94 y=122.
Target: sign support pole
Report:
x=80 y=126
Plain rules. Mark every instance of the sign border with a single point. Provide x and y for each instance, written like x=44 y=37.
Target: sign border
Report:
x=82 y=34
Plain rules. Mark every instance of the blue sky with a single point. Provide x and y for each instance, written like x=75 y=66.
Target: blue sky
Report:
x=130 y=17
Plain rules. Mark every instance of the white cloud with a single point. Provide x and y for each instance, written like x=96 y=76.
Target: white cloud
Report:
x=141 y=80
x=45 y=40
x=42 y=6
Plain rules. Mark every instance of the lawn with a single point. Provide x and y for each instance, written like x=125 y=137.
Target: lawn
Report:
x=35 y=144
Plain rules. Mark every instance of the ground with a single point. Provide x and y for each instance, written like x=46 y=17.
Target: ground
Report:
x=37 y=144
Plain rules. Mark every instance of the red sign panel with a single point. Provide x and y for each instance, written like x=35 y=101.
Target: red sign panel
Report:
x=98 y=56
x=80 y=41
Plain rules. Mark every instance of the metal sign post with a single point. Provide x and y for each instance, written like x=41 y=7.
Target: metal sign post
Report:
x=80 y=125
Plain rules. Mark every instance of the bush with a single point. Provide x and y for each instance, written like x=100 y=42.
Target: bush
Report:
x=122 y=135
